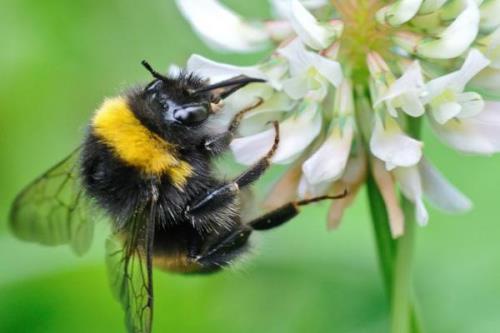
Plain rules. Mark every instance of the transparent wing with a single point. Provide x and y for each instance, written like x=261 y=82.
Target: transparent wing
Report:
x=129 y=261
x=54 y=209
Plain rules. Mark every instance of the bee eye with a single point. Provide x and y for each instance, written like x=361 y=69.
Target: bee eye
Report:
x=191 y=114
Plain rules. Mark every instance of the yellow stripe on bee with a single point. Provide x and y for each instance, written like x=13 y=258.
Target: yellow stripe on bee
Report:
x=117 y=127
x=176 y=262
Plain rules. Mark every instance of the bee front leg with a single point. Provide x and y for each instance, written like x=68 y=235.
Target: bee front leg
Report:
x=221 y=195
x=220 y=142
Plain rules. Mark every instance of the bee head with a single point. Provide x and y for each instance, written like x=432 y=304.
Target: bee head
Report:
x=187 y=100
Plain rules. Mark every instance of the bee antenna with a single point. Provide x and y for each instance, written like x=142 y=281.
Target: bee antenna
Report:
x=153 y=72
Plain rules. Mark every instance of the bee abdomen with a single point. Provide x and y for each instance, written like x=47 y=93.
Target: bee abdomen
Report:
x=176 y=263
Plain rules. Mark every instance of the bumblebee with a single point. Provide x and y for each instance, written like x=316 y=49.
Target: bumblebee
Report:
x=146 y=164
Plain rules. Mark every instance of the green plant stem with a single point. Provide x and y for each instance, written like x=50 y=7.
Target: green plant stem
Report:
x=395 y=257
x=415 y=320
x=403 y=312
x=385 y=243
x=400 y=304
x=387 y=248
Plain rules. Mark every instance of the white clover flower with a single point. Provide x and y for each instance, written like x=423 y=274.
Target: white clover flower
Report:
x=446 y=97
x=320 y=167
x=347 y=78
x=405 y=93
x=310 y=73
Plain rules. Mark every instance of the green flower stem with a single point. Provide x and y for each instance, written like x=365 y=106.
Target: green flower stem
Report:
x=386 y=246
x=387 y=249
x=400 y=305
x=395 y=257
x=415 y=320
x=403 y=314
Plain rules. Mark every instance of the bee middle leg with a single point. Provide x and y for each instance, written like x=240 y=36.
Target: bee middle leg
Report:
x=220 y=142
x=219 y=196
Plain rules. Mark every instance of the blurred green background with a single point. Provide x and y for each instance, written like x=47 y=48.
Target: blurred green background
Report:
x=59 y=59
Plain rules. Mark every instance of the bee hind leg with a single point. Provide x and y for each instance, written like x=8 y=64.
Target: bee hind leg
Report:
x=220 y=250
x=285 y=213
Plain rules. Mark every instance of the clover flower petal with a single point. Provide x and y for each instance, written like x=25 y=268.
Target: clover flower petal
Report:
x=221 y=28
x=399 y=12
x=445 y=94
x=320 y=167
x=353 y=178
x=490 y=19
x=302 y=61
x=455 y=39
x=312 y=33
x=405 y=92
x=440 y=192
x=271 y=71
x=281 y=8
x=410 y=183
x=386 y=184
x=391 y=145
x=430 y=6
x=476 y=135
x=296 y=132
x=493 y=48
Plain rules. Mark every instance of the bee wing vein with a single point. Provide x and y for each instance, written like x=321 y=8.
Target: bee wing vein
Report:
x=54 y=210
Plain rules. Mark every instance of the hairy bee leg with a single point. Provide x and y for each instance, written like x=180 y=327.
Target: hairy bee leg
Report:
x=226 y=192
x=220 y=142
x=213 y=199
x=220 y=251
x=285 y=213
x=255 y=171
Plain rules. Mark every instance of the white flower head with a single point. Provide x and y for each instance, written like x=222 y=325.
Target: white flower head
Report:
x=350 y=82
